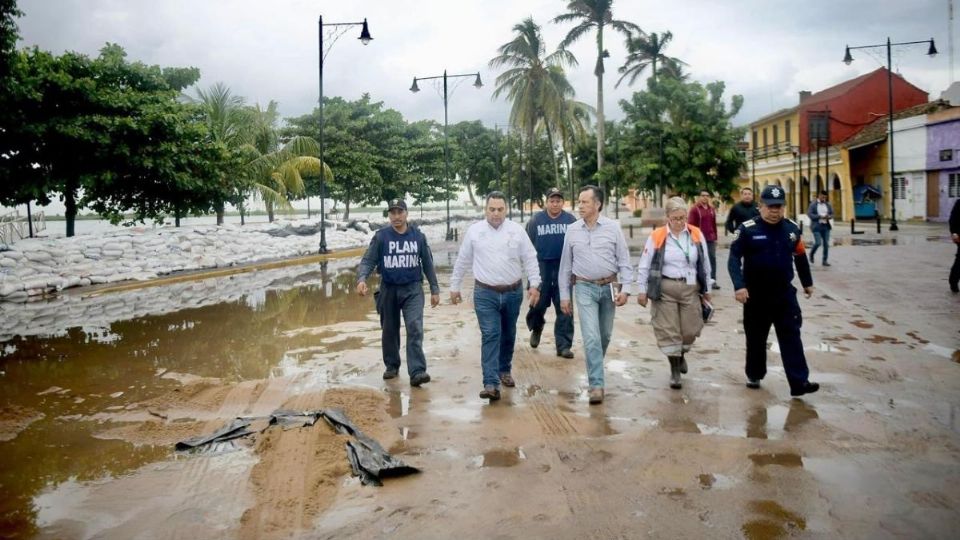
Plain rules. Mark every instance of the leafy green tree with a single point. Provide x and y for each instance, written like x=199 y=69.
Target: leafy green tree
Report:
x=374 y=153
x=109 y=131
x=647 y=50
x=473 y=157
x=682 y=133
x=589 y=15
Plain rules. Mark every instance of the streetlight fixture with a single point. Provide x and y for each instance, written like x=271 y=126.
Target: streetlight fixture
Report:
x=365 y=39
x=446 y=140
x=847 y=59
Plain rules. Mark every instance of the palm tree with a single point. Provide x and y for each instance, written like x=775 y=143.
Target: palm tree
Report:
x=278 y=175
x=648 y=50
x=590 y=14
x=535 y=84
x=573 y=123
x=226 y=123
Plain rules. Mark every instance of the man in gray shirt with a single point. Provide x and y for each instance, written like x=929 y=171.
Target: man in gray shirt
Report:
x=594 y=252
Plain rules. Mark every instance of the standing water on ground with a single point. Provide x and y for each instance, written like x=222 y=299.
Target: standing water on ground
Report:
x=74 y=368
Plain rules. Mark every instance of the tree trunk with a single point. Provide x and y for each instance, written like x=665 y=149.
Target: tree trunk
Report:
x=600 y=120
x=553 y=154
x=70 y=206
x=473 y=200
x=520 y=176
x=269 y=206
x=242 y=212
x=219 y=209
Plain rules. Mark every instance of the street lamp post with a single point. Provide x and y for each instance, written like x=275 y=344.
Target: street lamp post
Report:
x=847 y=59
x=446 y=139
x=365 y=39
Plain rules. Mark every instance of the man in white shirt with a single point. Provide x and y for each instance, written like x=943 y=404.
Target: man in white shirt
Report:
x=498 y=252
x=594 y=252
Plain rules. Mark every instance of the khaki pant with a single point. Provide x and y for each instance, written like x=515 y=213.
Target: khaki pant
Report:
x=677 y=317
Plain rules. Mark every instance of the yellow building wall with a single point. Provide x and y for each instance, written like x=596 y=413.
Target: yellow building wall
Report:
x=872 y=163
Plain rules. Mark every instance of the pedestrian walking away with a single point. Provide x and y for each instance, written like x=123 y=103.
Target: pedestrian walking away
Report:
x=704 y=217
x=547 y=230
x=954 y=278
x=762 y=259
x=498 y=252
x=820 y=213
x=744 y=210
x=594 y=254
x=674 y=274
x=402 y=257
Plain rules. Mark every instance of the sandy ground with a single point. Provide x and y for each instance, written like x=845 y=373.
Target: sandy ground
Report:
x=874 y=454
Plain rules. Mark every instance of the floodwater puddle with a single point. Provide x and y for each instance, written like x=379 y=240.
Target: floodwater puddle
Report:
x=784 y=459
x=398 y=403
x=500 y=457
x=110 y=354
x=860 y=323
x=773 y=521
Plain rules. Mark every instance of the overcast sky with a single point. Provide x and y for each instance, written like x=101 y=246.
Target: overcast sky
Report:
x=765 y=50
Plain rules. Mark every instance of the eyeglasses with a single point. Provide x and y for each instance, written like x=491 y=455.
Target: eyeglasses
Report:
x=678 y=219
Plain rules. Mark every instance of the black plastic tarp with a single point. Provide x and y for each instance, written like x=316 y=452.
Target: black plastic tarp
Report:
x=367 y=457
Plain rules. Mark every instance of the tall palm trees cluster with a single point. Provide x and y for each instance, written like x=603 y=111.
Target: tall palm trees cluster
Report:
x=536 y=84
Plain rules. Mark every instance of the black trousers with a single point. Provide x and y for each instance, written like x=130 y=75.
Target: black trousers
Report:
x=955 y=271
x=550 y=292
x=782 y=312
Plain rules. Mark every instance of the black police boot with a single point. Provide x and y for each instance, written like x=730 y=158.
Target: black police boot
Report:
x=675 y=372
x=535 y=338
x=683 y=363
x=805 y=387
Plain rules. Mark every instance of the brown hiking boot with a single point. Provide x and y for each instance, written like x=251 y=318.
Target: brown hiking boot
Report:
x=596 y=395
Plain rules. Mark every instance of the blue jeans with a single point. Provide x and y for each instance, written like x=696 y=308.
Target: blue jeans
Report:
x=596 y=310
x=821 y=236
x=497 y=314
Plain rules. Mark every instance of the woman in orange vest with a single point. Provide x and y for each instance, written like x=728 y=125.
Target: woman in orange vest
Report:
x=674 y=272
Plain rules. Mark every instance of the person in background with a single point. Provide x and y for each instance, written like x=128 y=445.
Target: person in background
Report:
x=954 y=279
x=704 y=217
x=742 y=211
x=674 y=272
x=594 y=252
x=762 y=257
x=402 y=257
x=547 y=230
x=820 y=213
x=498 y=252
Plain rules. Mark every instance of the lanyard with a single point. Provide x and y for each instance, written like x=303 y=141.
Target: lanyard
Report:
x=685 y=251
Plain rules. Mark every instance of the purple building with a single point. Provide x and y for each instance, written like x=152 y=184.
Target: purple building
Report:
x=943 y=163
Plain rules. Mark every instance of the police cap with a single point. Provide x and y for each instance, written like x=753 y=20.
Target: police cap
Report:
x=397 y=203
x=772 y=195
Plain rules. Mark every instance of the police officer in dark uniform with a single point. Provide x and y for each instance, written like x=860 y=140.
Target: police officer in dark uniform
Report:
x=762 y=256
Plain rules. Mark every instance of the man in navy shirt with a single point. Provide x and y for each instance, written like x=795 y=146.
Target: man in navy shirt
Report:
x=401 y=255
x=762 y=256
x=546 y=230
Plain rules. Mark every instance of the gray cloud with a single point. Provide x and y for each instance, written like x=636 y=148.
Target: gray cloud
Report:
x=765 y=50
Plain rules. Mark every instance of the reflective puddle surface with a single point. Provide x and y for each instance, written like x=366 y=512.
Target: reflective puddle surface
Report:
x=66 y=365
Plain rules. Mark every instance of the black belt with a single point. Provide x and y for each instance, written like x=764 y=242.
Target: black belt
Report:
x=500 y=288
x=674 y=278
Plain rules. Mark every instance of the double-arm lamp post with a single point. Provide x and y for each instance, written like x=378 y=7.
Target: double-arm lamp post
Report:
x=365 y=39
x=446 y=141
x=847 y=59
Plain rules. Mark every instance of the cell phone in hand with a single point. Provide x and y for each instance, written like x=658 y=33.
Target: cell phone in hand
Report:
x=615 y=289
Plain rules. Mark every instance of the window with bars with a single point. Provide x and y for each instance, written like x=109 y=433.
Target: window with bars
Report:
x=946 y=155
x=786 y=130
x=953 y=185
x=900 y=187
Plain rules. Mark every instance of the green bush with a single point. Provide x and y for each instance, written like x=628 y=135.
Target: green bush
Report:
x=637 y=212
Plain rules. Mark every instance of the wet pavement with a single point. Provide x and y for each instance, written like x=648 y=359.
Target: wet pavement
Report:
x=93 y=390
